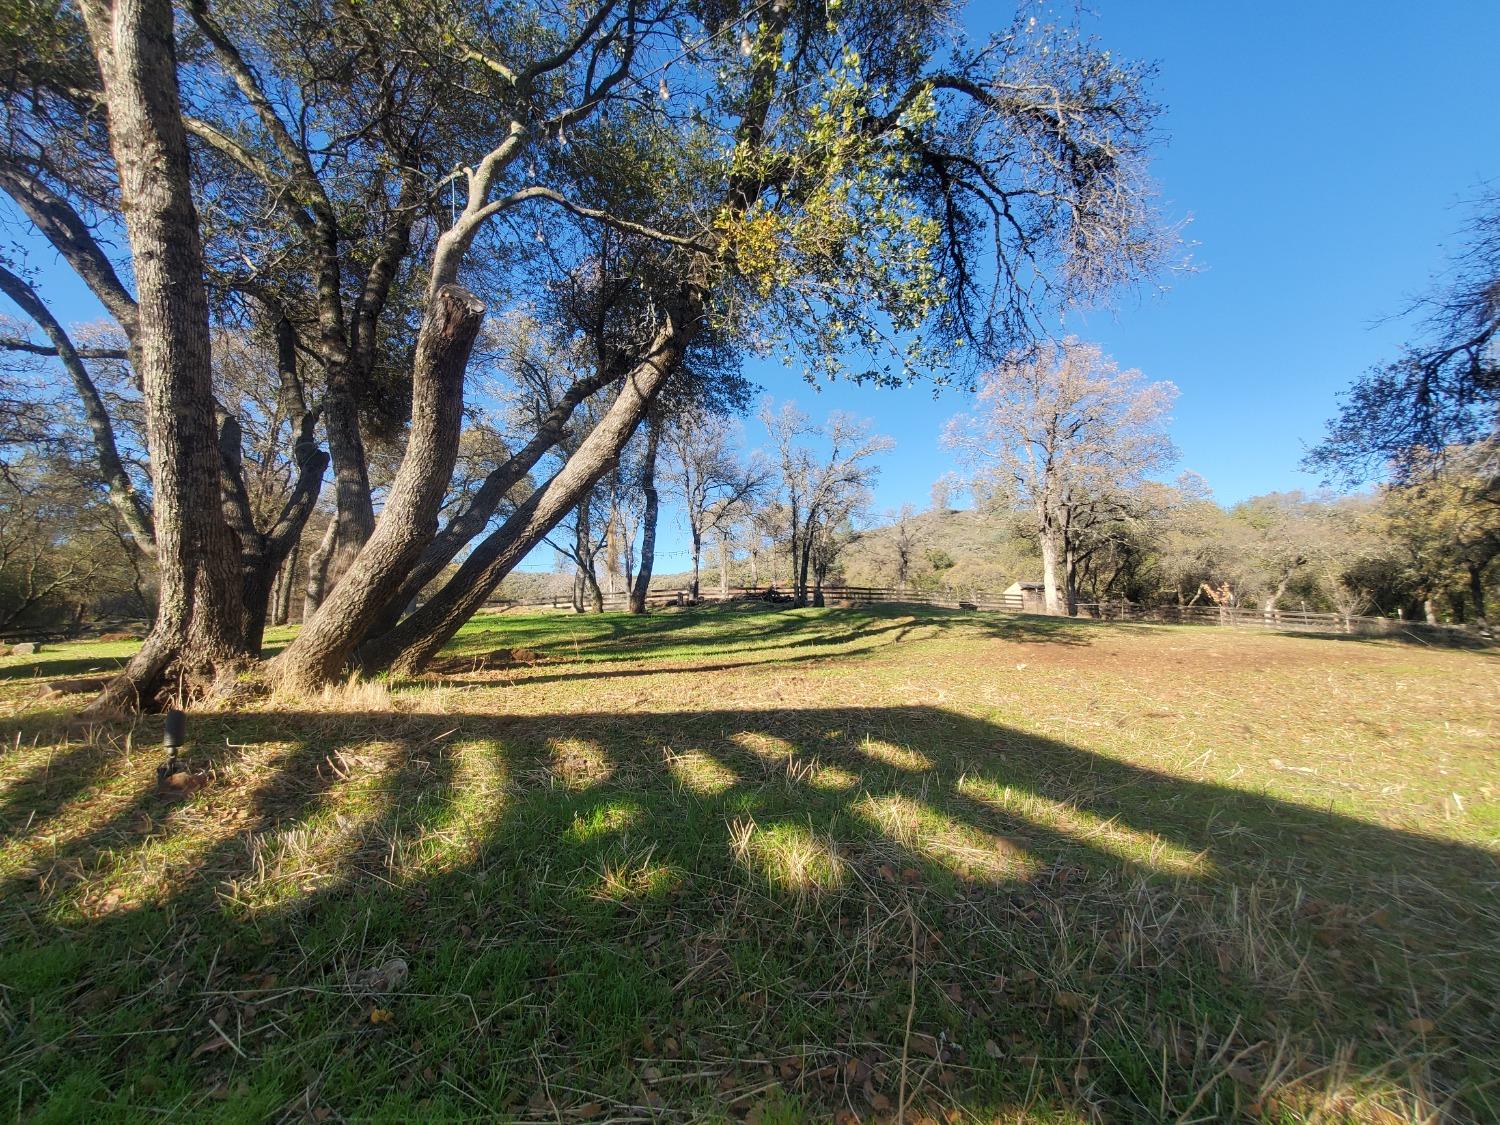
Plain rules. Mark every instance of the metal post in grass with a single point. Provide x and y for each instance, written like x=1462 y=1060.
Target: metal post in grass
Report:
x=174 y=734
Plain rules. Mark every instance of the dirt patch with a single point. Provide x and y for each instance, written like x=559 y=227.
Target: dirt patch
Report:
x=1152 y=652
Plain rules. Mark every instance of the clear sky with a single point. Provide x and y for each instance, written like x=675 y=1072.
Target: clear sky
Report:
x=1317 y=154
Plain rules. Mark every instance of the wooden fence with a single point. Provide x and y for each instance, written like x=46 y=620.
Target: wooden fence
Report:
x=1294 y=620
x=990 y=602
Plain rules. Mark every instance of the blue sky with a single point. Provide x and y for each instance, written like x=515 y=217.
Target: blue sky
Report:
x=1318 y=155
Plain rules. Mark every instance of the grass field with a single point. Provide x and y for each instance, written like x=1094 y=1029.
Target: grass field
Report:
x=753 y=864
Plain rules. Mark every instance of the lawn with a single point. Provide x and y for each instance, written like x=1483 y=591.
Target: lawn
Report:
x=745 y=863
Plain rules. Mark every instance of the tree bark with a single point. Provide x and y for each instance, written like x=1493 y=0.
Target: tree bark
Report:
x=263 y=552
x=317 y=569
x=804 y=564
x=1050 y=598
x=642 y=585
x=321 y=652
x=696 y=538
x=1070 y=581
x=1476 y=595
x=286 y=581
x=476 y=513
x=417 y=639
x=197 y=637
x=354 y=509
x=587 y=584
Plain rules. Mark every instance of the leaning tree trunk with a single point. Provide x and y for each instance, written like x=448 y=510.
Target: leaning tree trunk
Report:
x=196 y=642
x=642 y=585
x=409 y=646
x=320 y=653
x=477 y=511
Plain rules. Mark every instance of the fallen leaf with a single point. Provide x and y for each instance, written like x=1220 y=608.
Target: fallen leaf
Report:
x=993 y=1049
x=382 y=1015
x=922 y=1044
x=1421 y=1025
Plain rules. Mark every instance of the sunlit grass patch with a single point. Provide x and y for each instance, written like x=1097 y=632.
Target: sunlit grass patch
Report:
x=791 y=857
x=699 y=772
x=922 y=832
x=602 y=821
x=898 y=757
x=577 y=763
x=830 y=778
x=1111 y=835
x=632 y=872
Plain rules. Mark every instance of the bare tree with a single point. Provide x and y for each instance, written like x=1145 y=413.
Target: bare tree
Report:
x=1443 y=391
x=818 y=486
x=1063 y=429
x=905 y=539
x=709 y=478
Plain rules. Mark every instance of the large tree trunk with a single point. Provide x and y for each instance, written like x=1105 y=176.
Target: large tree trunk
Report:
x=1050 y=595
x=804 y=562
x=320 y=653
x=696 y=539
x=196 y=642
x=642 y=585
x=724 y=567
x=1476 y=595
x=476 y=513
x=417 y=639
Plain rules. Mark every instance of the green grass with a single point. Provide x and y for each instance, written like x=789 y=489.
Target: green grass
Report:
x=744 y=862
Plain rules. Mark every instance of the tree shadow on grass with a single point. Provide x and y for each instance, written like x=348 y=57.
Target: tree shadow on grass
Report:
x=50 y=665
x=762 y=635
x=709 y=911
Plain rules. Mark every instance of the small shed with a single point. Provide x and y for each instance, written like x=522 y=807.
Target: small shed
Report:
x=1027 y=597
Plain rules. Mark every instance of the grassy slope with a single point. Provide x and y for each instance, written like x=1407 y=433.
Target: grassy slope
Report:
x=779 y=864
